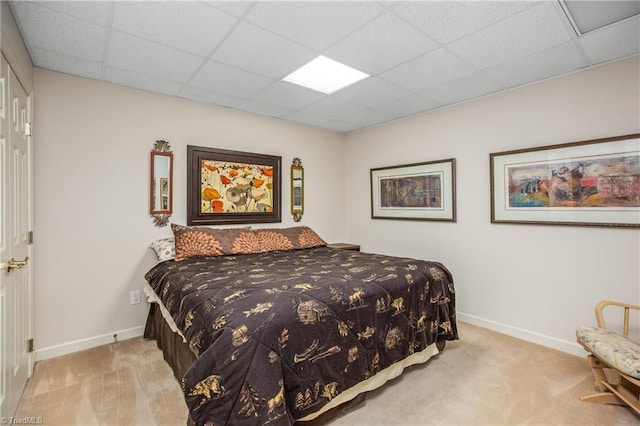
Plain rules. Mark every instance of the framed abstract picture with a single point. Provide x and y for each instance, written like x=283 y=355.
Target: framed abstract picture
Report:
x=588 y=183
x=419 y=191
x=231 y=187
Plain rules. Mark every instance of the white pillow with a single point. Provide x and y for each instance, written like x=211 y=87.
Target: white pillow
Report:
x=165 y=248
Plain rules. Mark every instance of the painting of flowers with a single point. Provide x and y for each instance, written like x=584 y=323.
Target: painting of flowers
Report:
x=594 y=182
x=233 y=187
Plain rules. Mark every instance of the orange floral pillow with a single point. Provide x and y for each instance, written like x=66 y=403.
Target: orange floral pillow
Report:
x=200 y=241
x=298 y=237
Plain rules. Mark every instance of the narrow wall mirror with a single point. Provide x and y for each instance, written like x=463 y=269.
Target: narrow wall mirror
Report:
x=297 y=190
x=161 y=191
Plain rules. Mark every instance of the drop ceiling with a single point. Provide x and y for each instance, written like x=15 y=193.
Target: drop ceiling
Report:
x=420 y=55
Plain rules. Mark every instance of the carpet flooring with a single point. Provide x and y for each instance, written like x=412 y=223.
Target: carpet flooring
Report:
x=485 y=378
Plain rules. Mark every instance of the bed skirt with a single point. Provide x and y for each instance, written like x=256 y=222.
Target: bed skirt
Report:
x=174 y=350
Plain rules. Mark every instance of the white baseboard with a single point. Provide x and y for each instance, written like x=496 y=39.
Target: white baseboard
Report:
x=91 y=342
x=572 y=348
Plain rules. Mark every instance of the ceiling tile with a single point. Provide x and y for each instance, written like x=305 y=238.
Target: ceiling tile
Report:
x=446 y=21
x=135 y=54
x=206 y=96
x=330 y=108
x=234 y=7
x=555 y=61
x=51 y=30
x=253 y=49
x=263 y=108
x=196 y=29
x=468 y=87
x=429 y=70
x=315 y=24
x=96 y=12
x=408 y=105
x=287 y=95
x=48 y=59
x=140 y=81
x=364 y=118
x=521 y=35
x=370 y=92
x=221 y=78
x=301 y=117
x=380 y=45
x=613 y=41
x=337 y=126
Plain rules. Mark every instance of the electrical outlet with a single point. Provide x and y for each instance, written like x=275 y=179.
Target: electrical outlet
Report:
x=134 y=297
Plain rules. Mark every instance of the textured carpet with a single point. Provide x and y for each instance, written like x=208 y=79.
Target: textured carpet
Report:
x=486 y=378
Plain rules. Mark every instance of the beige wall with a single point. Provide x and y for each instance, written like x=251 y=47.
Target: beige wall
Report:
x=92 y=143
x=535 y=282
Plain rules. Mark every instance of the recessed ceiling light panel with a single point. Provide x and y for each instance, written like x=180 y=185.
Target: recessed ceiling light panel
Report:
x=587 y=16
x=325 y=75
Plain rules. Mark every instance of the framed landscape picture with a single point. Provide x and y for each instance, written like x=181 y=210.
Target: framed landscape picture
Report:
x=589 y=183
x=419 y=191
x=231 y=187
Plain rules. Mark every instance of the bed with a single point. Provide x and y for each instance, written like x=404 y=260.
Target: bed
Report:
x=280 y=328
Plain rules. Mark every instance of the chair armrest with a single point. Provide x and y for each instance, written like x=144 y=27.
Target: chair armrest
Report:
x=600 y=317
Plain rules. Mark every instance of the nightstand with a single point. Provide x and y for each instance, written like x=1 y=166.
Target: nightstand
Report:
x=344 y=246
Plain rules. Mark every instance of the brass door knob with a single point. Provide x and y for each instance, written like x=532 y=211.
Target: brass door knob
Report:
x=17 y=264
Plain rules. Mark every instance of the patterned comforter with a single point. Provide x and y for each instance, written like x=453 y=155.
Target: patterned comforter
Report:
x=280 y=334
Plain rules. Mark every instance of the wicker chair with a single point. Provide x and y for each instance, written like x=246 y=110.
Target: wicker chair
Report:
x=617 y=353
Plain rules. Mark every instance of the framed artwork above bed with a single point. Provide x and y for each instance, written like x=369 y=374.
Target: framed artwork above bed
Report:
x=231 y=187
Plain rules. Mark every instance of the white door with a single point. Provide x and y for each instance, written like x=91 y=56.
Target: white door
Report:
x=15 y=289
